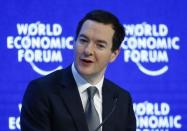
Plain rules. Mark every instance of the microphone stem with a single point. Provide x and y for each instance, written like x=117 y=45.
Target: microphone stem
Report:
x=106 y=118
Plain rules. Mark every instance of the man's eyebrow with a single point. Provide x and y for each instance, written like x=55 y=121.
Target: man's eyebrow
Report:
x=82 y=35
x=99 y=41
x=102 y=41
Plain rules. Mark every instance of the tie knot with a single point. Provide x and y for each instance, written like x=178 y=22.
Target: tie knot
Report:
x=91 y=91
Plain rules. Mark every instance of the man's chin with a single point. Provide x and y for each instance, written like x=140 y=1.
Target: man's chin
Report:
x=85 y=73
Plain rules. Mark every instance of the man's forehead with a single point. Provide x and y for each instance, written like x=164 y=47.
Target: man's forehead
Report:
x=97 y=28
x=93 y=22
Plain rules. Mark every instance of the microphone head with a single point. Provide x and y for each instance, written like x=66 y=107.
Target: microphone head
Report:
x=115 y=97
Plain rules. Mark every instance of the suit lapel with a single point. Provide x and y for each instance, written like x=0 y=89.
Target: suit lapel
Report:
x=108 y=103
x=70 y=95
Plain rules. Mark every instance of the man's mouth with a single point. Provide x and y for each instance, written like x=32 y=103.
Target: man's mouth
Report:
x=87 y=61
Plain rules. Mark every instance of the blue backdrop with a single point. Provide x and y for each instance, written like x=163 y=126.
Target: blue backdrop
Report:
x=36 y=37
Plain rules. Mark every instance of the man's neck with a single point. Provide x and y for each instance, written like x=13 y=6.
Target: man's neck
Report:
x=92 y=79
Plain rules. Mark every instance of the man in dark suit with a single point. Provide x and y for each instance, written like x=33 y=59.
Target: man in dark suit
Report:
x=61 y=101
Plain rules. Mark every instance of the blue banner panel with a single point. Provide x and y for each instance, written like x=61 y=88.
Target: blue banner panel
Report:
x=37 y=37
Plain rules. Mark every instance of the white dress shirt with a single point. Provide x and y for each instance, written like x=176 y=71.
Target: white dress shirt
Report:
x=82 y=85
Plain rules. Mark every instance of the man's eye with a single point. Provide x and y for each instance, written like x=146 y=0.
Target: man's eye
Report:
x=83 y=40
x=101 y=46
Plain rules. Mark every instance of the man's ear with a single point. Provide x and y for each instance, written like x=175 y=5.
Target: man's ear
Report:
x=114 y=55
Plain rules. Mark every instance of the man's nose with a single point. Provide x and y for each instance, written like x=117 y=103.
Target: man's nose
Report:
x=89 y=49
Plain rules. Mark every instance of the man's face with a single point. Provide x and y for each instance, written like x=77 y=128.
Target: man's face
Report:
x=93 y=49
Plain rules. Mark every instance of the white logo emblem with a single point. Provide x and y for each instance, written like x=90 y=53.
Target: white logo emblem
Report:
x=40 y=43
x=148 y=45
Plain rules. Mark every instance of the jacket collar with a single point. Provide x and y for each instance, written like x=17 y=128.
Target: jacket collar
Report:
x=70 y=95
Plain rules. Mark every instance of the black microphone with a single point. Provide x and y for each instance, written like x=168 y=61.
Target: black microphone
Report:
x=109 y=114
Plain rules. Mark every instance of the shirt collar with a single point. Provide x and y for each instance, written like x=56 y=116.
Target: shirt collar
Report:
x=82 y=84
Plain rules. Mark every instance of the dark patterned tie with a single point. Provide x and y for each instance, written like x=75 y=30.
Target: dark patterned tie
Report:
x=92 y=116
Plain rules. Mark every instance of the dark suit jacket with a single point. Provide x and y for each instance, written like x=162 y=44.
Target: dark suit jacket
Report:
x=53 y=103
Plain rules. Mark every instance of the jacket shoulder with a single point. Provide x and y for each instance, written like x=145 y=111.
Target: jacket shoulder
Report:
x=50 y=78
x=118 y=89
